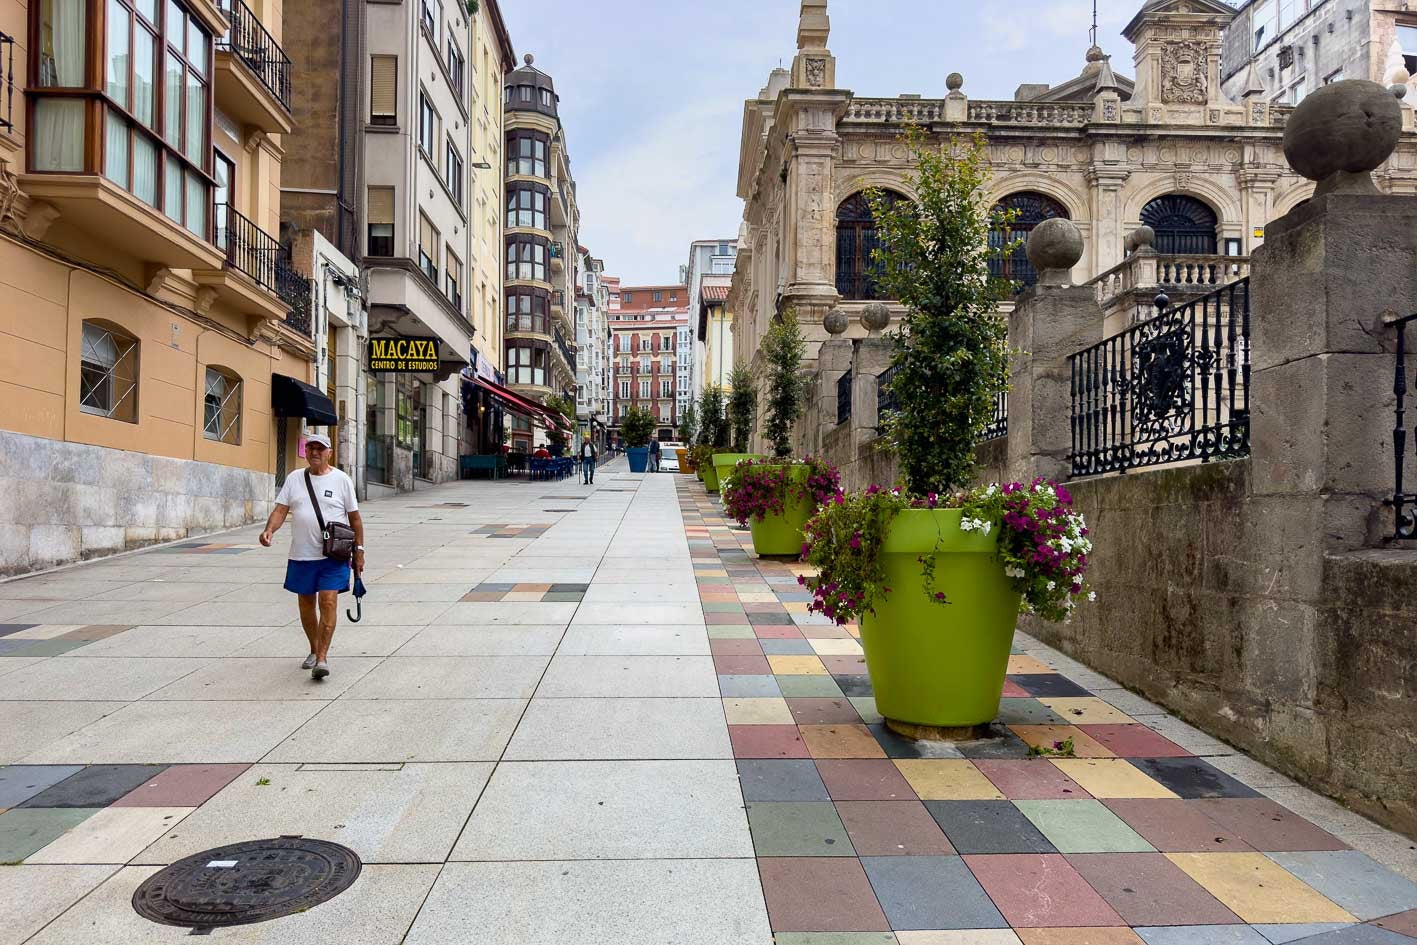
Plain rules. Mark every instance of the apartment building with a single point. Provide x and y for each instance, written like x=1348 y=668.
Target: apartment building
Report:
x=541 y=250
x=592 y=349
x=647 y=332
x=157 y=339
x=710 y=261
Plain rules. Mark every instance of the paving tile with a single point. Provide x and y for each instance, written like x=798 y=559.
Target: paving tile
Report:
x=809 y=687
x=960 y=937
x=797 y=829
x=930 y=892
x=1110 y=777
x=1358 y=935
x=1133 y=741
x=864 y=779
x=757 y=712
x=748 y=687
x=1031 y=780
x=688 y=902
x=1282 y=934
x=1354 y=881
x=844 y=665
x=1051 y=736
x=727 y=632
x=32 y=896
x=830 y=646
x=1040 y=891
x=1001 y=745
x=1083 y=936
x=1147 y=889
x=819 y=894
x=94 y=786
x=948 y=780
x=898 y=746
x=233 y=679
x=1267 y=826
x=1257 y=889
x=510 y=640
x=401 y=730
x=892 y=828
x=865 y=707
x=25 y=830
x=1013 y=690
x=988 y=827
x=797 y=666
x=463 y=677
x=735 y=648
x=1176 y=826
x=772 y=779
x=794 y=647
x=1028 y=712
x=836 y=938
x=96 y=679
x=112 y=835
x=1020 y=665
x=181 y=786
x=1193 y=778
x=1083 y=826
x=822 y=711
x=840 y=741
x=1086 y=710
x=1047 y=685
x=629 y=676
x=854 y=685
x=1405 y=922
x=744 y=665
x=1201 y=935
x=767 y=741
x=19 y=783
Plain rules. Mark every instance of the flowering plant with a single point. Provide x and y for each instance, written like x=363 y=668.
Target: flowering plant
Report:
x=701 y=455
x=1043 y=546
x=759 y=488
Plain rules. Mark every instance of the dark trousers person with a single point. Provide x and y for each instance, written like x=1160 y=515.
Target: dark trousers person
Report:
x=588 y=458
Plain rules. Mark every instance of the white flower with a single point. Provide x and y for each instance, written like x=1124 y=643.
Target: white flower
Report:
x=1092 y=595
x=1013 y=572
x=988 y=527
x=1051 y=585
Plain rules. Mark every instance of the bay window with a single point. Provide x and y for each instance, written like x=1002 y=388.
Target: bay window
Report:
x=527 y=310
x=526 y=153
x=526 y=257
x=526 y=205
x=527 y=362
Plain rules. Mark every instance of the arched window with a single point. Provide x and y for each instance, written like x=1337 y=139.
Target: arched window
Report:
x=221 y=406
x=1032 y=209
x=108 y=372
x=1184 y=225
x=855 y=240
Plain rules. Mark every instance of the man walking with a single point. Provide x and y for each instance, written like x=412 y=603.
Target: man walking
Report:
x=654 y=455
x=588 y=457
x=315 y=579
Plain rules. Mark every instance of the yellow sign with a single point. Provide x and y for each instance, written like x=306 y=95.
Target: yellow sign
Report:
x=1259 y=232
x=401 y=355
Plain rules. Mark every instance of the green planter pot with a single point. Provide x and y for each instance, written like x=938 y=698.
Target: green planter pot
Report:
x=723 y=464
x=709 y=475
x=934 y=664
x=782 y=534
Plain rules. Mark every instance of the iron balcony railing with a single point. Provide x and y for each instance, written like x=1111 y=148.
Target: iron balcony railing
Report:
x=567 y=351
x=249 y=41
x=843 y=398
x=253 y=251
x=7 y=81
x=1403 y=503
x=885 y=397
x=998 y=427
x=1173 y=388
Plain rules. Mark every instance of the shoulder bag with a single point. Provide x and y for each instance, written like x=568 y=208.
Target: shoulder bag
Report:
x=337 y=537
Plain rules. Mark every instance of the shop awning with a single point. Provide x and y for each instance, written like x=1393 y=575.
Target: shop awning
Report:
x=511 y=400
x=292 y=398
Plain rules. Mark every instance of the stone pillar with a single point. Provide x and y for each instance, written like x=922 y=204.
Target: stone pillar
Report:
x=833 y=360
x=1106 y=183
x=1051 y=321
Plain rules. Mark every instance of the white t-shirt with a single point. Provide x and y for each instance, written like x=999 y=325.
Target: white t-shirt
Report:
x=336 y=493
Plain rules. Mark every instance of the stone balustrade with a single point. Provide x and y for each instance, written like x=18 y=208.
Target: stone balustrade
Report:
x=1198 y=273
x=1067 y=114
x=890 y=110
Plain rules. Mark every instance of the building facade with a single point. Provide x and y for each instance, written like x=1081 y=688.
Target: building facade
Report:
x=1169 y=149
x=708 y=260
x=158 y=339
x=648 y=336
x=592 y=349
x=1285 y=49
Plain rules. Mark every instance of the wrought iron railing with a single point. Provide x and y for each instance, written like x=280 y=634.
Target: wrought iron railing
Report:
x=7 y=81
x=859 y=286
x=843 y=398
x=296 y=291
x=885 y=397
x=253 y=251
x=1173 y=388
x=1403 y=503
x=567 y=351
x=999 y=426
x=249 y=41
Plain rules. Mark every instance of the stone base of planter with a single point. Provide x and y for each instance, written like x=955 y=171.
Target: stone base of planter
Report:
x=934 y=733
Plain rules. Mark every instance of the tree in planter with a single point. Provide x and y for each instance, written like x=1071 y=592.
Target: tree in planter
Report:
x=567 y=409
x=951 y=354
x=742 y=405
x=636 y=427
x=688 y=426
x=782 y=349
x=713 y=424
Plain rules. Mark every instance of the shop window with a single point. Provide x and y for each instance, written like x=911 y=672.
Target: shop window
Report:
x=221 y=406
x=108 y=372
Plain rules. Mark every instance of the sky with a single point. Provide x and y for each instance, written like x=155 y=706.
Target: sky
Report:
x=652 y=91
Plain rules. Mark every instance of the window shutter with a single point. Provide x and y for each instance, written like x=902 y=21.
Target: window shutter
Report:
x=383 y=87
x=427 y=239
x=381 y=205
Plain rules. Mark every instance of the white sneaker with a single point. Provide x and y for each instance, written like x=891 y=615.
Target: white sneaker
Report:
x=309 y=662
x=320 y=671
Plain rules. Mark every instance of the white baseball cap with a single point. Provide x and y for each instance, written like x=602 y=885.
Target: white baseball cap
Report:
x=319 y=438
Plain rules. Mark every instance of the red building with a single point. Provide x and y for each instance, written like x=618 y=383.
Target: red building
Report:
x=645 y=355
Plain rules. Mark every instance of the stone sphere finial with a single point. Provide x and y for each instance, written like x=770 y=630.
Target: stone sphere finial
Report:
x=1400 y=78
x=954 y=82
x=528 y=59
x=1162 y=301
x=1129 y=242
x=1144 y=237
x=836 y=322
x=875 y=317
x=1341 y=133
x=1054 y=248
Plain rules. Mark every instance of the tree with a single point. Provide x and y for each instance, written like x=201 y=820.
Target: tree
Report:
x=637 y=426
x=564 y=406
x=782 y=349
x=951 y=353
x=742 y=405
x=688 y=425
x=713 y=424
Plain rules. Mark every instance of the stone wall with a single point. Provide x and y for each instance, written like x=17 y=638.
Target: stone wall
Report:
x=61 y=502
x=1198 y=613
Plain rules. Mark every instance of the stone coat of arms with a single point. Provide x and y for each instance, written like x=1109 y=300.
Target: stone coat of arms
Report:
x=1183 y=73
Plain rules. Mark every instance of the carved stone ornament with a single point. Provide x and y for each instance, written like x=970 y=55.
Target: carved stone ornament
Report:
x=816 y=72
x=1110 y=109
x=1183 y=73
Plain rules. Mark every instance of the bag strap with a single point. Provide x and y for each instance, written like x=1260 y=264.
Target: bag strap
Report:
x=310 y=487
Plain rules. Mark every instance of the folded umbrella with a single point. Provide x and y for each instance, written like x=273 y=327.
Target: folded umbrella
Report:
x=358 y=613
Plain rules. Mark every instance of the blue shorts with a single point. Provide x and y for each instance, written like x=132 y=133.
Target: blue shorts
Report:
x=309 y=577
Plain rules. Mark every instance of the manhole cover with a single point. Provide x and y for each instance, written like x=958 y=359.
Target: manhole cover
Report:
x=247 y=882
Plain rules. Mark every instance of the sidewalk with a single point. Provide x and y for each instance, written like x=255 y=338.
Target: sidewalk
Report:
x=563 y=710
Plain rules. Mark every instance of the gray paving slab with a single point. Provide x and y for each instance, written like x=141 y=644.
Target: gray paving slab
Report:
x=502 y=640
x=25 y=830
x=621 y=729
x=687 y=902
x=404 y=730
x=32 y=896
x=153 y=641
x=262 y=679
x=350 y=640
x=635 y=640
x=451 y=677
x=1353 y=880
x=101 y=679
x=387 y=814
x=94 y=786
x=608 y=810
x=19 y=783
x=28 y=727
x=492 y=613
x=629 y=676
x=649 y=613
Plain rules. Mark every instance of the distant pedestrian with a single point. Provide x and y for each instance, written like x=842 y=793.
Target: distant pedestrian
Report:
x=316 y=579
x=588 y=457
x=654 y=455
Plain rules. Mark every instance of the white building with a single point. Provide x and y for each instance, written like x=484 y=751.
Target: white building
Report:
x=592 y=349
x=706 y=258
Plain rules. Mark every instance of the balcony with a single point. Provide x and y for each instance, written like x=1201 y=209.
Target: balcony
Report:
x=258 y=277
x=1127 y=291
x=558 y=257
x=566 y=350
x=253 y=72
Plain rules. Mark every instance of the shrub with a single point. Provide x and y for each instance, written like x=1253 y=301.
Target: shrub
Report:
x=782 y=349
x=688 y=425
x=713 y=424
x=637 y=426
x=742 y=405
x=759 y=488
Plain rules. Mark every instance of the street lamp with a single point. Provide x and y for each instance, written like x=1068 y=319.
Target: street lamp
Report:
x=481 y=165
